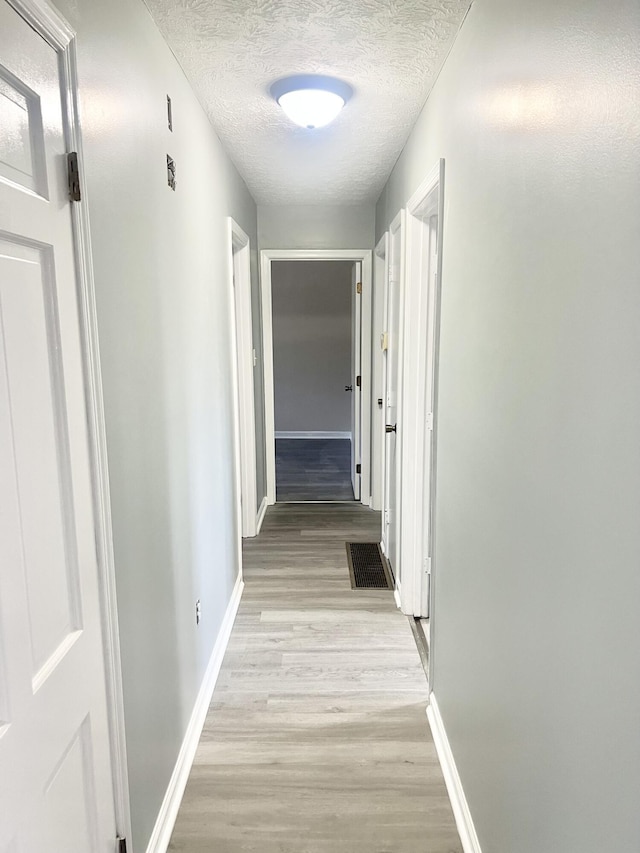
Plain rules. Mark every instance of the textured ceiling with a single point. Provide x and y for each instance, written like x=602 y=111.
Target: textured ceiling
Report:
x=390 y=51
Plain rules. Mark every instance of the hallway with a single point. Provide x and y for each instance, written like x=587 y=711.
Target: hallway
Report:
x=170 y=175
x=316 y=739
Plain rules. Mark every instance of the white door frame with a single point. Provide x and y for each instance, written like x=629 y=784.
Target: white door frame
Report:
x=266 y=257
x=243 y=359
x=396 y=245
x=356 y=371
x=421 y=318
x=380 y=284
x=55 y=30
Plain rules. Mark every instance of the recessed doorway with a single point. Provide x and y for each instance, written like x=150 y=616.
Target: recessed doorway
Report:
x=317 y=375
x=313 y=379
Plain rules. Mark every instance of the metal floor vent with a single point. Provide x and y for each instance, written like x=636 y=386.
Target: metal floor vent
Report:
x=367 y=566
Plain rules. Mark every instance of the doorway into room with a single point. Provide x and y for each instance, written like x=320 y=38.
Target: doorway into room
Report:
x=317 y=381
x=314 y=377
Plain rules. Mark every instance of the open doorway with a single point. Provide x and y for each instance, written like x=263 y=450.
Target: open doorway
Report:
x=317 y=338
x=313 y=379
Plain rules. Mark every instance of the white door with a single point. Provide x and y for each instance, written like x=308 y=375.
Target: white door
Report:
x=56 y=790
x=356 y=377
x=391 y=372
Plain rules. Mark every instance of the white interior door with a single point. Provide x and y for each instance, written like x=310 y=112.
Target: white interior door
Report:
x=391 y=343
x=56 y=784
x=356 y=378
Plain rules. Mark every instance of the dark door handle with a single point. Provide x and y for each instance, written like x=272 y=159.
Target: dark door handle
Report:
x=390 y=428
x=348 y=387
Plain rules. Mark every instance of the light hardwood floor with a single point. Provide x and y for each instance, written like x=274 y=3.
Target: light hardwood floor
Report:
x=317 y=738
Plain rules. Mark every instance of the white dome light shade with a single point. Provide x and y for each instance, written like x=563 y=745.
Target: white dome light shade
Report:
x=311 y=107
x=309 y=100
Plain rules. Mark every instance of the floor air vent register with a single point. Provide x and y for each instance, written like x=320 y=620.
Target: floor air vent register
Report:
x=368 y=567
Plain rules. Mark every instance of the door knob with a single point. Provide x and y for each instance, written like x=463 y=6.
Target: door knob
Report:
x=390 y=428
x=348 y=387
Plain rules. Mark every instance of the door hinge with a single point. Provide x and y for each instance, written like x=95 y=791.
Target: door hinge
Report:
x=121 y=845
x=358 y=468
x=73 y=176
x=429 y=420
x=358 y=381
x=359 y=287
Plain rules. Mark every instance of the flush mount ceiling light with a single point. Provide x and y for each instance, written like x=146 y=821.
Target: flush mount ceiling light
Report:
x=311 y=100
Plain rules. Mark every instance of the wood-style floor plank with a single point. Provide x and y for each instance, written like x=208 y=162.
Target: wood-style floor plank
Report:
x=316 y=740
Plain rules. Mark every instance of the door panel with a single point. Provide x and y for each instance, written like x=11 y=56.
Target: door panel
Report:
x=56 y=788
x=69 y=796
x=22 y=148
x=31 y=391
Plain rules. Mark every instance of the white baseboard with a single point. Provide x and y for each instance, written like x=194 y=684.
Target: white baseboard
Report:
x=464 y=821
x=261 y=514
x=396 y=595
x=320 y=434
x=161 y=835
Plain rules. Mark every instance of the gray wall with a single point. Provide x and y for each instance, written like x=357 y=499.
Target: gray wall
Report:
x=163 y=308
x=311 y=345
x=316 y=226
x=537 y=636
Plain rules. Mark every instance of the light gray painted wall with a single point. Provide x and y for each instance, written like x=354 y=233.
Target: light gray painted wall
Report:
x=537 y=637
x=316 y=226
x=163 y=309
x=311 y=345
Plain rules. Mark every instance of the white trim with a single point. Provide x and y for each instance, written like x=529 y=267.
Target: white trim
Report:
x=380 y=276
x=365 y=257
x=47 y=21
x=396 y=597
x=261 y=514
x=416 y=204
x=55 y=30
x=99 y=461
x=419 y=355
x=311 y=434
x=240 y=284
x=396 y=247
x=365 y=370
x=461 y=811
x=161 y=835
x=267 y=366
